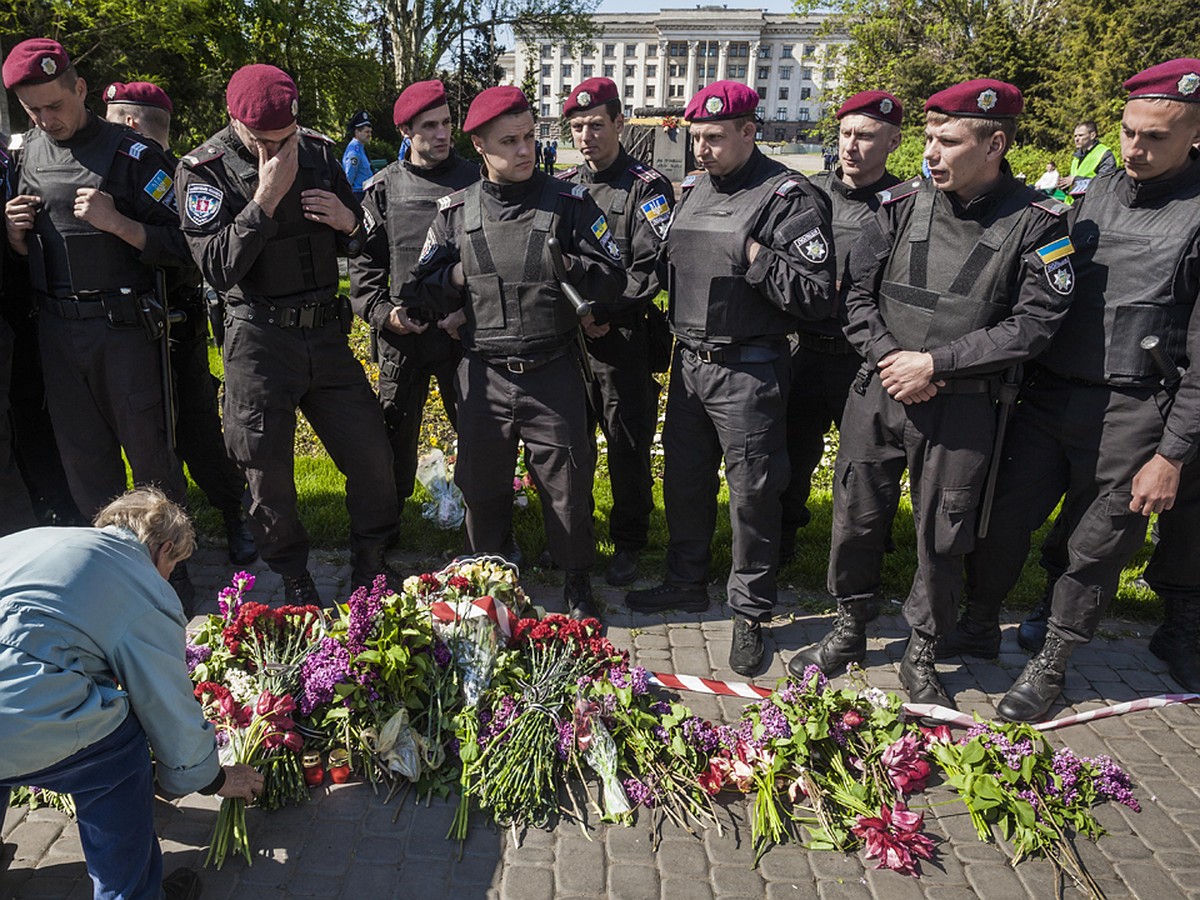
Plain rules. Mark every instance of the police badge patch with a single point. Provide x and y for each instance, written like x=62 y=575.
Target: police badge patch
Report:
x=658 y=213
x=1061 y=276
x=203 y=202
x=369 y=222
x=812 y=246
x=159 y=187
x=604 y=236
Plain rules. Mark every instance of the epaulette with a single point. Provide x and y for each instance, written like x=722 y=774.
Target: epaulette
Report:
x=315 y=135
x=132 y=148
x=452 y=200
x=892 y=194
x=648 y=174
x=202 y=155
x=689 y=181
x=16 y=141
x=578 y=191
x=566 y=174
x=787 y=187
x=1050 y=205
x=373 y=180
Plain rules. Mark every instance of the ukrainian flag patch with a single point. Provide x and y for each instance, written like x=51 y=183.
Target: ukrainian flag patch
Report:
x=159 y=186
x=1056 y=250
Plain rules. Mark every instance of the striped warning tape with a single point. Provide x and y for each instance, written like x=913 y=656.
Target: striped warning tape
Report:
x=919 y=710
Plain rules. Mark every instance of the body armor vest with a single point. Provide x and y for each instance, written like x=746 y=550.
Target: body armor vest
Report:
x=67 y=256
x=929 y=299
x=302 y=256
x=513 y=303
x=1126 y=262
x=710 y=299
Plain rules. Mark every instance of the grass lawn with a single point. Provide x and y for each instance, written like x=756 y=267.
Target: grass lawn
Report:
x=321 y=490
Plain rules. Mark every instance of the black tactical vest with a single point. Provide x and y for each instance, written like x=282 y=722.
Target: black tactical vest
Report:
x=1126 y=261
x=67 y=256
x=849 y=214
x=710 y=299
x=513 y=303
x=302 y=256
x=929 y=299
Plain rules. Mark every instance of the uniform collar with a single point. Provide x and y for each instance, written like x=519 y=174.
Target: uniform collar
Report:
x=736 y=180
x=514 y=193
x=980 y=206
x=1143 y=193
x=608 y=175
x=90 y=129
x=444 y=166
x=885 y=181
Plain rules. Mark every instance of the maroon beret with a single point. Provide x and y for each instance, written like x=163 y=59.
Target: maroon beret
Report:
x=493 y=103
x=1178 y=79
x=722 y=100
x=138 y=93
x=589 y=94
x=262 y=97
x=35 y=61
x=416 y=99
x=877 y=104
x=982 y=98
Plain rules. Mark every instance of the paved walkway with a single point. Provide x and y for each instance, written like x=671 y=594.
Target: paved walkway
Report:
x=347 y=844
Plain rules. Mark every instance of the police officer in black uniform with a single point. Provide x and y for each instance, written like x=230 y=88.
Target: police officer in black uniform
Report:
x=955 y=280
x=1105 y=419
x=487 y=265
x=823 y=362
x=398 y=207
x=146 y=108
x=750 y=254
x=637 y=202
x=266 y=208
x=94 y=211
x=16 y=510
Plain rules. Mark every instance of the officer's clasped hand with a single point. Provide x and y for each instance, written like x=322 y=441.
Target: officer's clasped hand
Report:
x=401 y=322
x=907 y=376
x=19 y=214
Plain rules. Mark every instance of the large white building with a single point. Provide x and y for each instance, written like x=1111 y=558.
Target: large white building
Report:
x=660 y=59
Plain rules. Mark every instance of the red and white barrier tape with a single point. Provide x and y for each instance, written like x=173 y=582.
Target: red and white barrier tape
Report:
x=921 y=710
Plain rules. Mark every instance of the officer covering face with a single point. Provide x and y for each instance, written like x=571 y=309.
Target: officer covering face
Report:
x=749 y=254
x=266 y=209
x=955 y=280
x=487 y=262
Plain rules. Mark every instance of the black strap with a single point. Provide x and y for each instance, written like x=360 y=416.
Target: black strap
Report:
x=989 y=244
x=918 y=239
x=543 y=222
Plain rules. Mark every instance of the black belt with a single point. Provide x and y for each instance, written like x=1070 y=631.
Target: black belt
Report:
x=737 y=353
x=311 y=316
x=823 y=343
x=968 y=386
x=519 y=365
x=118 y=307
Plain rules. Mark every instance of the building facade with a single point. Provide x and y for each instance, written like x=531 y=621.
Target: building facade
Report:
x=660 y=59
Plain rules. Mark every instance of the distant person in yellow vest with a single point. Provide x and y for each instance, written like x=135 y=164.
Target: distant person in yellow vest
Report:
x=1091 y=159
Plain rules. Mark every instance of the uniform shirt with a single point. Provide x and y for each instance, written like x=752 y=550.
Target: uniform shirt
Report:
x=89 y=632
x=139 y=181
x=594 y=268
x=369 y=272
x=1037 y=308
x=225 y=227
x=356 y=165
x=643 y=223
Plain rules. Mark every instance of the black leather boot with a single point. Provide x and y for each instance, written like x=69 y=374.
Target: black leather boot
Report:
x=1177 y=641
x=369 y=563
x=1032 y=695
x=919 y=675
x=746 y=648
x=845 y=643
x=665 y=596
x=1032 y=632
x=577 y=594
x=242 y=551
x=976 y=634
x=300 y=590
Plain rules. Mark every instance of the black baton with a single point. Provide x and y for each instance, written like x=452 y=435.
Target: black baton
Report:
x=583 y=308
x=1010 y=383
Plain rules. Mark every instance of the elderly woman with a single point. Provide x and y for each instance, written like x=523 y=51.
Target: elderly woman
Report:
x=92 y=676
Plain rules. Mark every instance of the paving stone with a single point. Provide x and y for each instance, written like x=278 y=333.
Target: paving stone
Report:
x=887 y=885
x=367 y=880
x=832 y=866
x=313 y=884
x=996 y=881
x=1124 y=847
x=843 y=890
x=788 y=863
x=681 y=860
x=632 y=882
x=736 y=881
x=33 y=838
x=527 y=883
x=580 y=865
x=690 y=888
x=1146 y=881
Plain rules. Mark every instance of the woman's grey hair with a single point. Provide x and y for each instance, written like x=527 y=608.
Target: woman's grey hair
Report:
x=155 y=520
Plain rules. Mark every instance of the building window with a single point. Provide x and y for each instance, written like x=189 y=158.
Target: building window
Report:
x=545 y=109
x=779 y=134
x=545 y=90
x=675 y=71
x=629 y=71
x=631 y=49
x=565 y=50
x=588 y=69
x=566 y=88
x=805 y=93
x=628 y=91
x=785 y=73
x=783 y=93
x=764 y=52
x=610 y=50
x=547 y=51
x=761 y=112
x=803 y=115
x=566 y=70
x=675 y=90
x=677 y=48
x=762 y=93
x=712 y=72
x=652 y=49
x=651 y=71
x=810 y=49
x=781 y=113
x=829 y=74
x=649 y=90
x=546 y=71
x=737 y=71
x=763 y=73
x=628 y=109
x=544 y=128
x=741 y=49
x=608 y=71
x=806 y=73
x=786 y=52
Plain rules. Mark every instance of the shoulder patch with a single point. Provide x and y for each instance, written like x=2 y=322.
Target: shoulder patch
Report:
x=688 y=181
x=16 y=141
x=787 y=187
x=900 y=191
x=315 y=135
x=1061 y=276
x=658 y=214
x=648 y=174
x=451 y=200
x=135 y=149
x=1050 y=205
x=203 y=202
x=160 y=188
x=578 y=191
x=566 y=174
x=1055 y=250
x=604 y=236
x=202 y=155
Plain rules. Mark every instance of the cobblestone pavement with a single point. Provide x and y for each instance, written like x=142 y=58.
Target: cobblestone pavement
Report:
x=347 y=844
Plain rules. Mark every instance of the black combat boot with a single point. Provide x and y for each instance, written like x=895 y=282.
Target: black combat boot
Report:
x=622 y=568
x=184 y=589
x=299 y=590
x=577 y=594
x=918 y=673
x=369 y=563
x=1031 y=633
x=1032 y=695
x=668 y=596
x=242 y=551
x=746 y=648
x=845 y=643
x=976 y=634
x=512 y=552
x=1177 y=642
